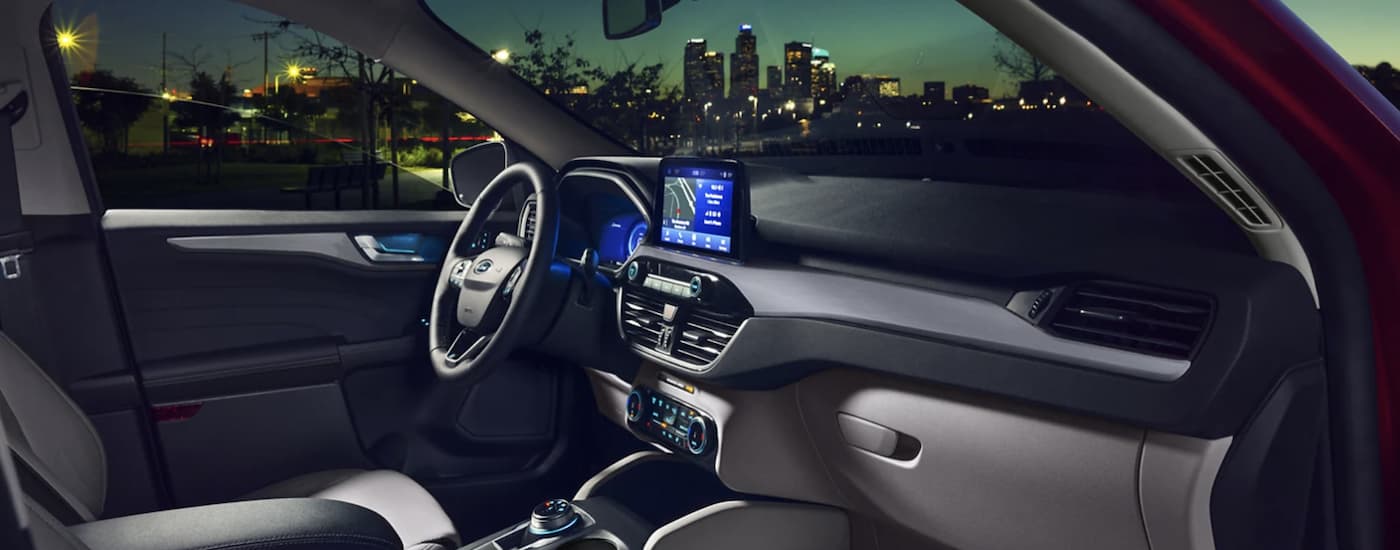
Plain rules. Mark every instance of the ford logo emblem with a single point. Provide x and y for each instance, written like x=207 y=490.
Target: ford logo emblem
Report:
x=482 y=267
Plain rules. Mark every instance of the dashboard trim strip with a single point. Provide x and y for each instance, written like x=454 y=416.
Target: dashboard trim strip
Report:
x=783 y=291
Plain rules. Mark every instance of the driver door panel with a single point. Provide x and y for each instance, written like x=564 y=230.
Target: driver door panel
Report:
x=270 y=345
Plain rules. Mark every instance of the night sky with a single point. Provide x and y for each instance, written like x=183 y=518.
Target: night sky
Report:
x=915 y=40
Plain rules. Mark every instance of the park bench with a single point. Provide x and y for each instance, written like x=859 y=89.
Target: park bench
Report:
x=336 y=178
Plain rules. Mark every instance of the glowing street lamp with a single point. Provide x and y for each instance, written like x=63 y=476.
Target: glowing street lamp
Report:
x=67 y=40
x=501 y=56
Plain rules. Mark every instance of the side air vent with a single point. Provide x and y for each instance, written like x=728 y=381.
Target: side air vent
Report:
x=1229 y=190
x=1141 y=319
x=704 y=336
x=527 y=221
x=641 y=319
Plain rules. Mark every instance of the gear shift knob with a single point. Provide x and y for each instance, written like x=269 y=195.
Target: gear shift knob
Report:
x=552 y=517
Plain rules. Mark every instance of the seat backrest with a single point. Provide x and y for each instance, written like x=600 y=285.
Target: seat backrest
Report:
x=49 y=435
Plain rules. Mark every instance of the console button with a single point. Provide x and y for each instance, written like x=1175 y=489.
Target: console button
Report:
x=552 y=517
x=697 y=438
x=635 y=407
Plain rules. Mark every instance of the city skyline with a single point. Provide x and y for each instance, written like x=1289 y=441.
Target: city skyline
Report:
x=914 y=40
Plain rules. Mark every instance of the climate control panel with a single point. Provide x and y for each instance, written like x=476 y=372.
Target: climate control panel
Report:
x=670 y=422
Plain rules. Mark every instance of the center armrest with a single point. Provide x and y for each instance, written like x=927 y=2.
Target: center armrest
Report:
x=287 y=524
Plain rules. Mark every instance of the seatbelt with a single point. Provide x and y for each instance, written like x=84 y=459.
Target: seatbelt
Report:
x=15 y=241
x=18 y=313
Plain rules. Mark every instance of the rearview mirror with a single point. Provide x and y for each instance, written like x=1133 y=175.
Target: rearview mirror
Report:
x=628 y=18
x=472 y=169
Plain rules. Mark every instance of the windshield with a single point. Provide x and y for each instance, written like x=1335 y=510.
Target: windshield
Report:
x=898 y=88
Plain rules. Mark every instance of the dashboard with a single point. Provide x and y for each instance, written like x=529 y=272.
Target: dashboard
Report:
x=939 y=283
x=911 y=332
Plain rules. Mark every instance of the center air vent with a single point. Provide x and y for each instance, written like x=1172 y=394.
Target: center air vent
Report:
x=641 y=319
x=704 y=336
x=1147 y=320
x=1229 y=190
x=527 y=221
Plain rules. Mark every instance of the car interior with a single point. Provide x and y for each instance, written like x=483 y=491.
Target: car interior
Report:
x=593 y=347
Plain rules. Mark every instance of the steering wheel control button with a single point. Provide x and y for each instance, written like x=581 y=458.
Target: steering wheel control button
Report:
x=459 y=274
x=509 y=287
x=483 y=266
x=552 y=517
x=696 y=436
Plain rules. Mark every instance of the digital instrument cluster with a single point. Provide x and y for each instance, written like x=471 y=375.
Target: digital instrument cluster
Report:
x=620 y=237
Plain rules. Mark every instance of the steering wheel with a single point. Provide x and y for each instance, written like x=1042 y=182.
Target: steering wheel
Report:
x=483 y=299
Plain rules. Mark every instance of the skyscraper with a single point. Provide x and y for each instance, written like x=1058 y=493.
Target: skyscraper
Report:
x=743 y=64
x=887 y=86
x=823 y=74
x=969 y=93
x=693 y=76
x=934 y=92
x=775 y=80
x=712 y=76
x=797 y=68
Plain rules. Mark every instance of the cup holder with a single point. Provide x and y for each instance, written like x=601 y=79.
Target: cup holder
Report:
x=589 y=544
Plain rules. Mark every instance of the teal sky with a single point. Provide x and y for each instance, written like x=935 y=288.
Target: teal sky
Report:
x=1364 y=32
x=915 y=40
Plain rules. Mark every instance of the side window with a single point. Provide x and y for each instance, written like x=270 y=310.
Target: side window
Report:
x=213 y=105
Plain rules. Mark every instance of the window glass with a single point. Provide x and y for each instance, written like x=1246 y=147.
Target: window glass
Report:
x=1365 y=32
x=892 y=88
x=211 y=104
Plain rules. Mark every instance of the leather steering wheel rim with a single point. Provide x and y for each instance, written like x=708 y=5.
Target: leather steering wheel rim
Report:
x=445 y=349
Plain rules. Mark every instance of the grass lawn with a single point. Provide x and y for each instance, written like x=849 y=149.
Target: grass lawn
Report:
x=185 y=178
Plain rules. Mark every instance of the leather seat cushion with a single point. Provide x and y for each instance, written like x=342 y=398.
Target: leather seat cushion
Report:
x=413 y=513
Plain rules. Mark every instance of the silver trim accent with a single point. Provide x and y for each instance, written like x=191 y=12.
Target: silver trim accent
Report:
x=334 y=246
x=667 y=360
x=780 y=290
x=9 y=267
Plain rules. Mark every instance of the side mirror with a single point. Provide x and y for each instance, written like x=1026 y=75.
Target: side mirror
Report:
x=628 y=18
x=472 y=169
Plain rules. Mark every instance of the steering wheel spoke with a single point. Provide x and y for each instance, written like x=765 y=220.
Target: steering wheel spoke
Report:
x=466 y=346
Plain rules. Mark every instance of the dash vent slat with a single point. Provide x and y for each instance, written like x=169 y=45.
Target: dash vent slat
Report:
x=1241 y=200
x=1142 y=319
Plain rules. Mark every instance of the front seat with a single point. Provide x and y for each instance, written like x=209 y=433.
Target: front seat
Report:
x=64 y=468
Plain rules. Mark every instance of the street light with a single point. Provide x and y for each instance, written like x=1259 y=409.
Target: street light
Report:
x=68 y=39
x=754 y=99
x=501 y=56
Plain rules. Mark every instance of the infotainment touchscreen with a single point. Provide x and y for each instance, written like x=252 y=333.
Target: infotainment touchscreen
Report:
x=702 y=206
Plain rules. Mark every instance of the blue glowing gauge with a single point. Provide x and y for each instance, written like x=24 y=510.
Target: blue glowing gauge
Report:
x=634 y=238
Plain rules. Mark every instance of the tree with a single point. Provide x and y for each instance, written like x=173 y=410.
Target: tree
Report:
x=1016 y=63
x=111 y=110
x=1385 y=78
x=372 y=82
x=630 y=103
x=207 y=110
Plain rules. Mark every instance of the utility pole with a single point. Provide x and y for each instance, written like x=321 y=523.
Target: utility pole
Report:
x=265 y=37
x=164 y=89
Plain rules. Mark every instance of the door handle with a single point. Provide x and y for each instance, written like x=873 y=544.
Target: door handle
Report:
x=398 y=249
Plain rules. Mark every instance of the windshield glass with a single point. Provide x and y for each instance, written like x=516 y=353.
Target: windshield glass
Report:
x=895 y=88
